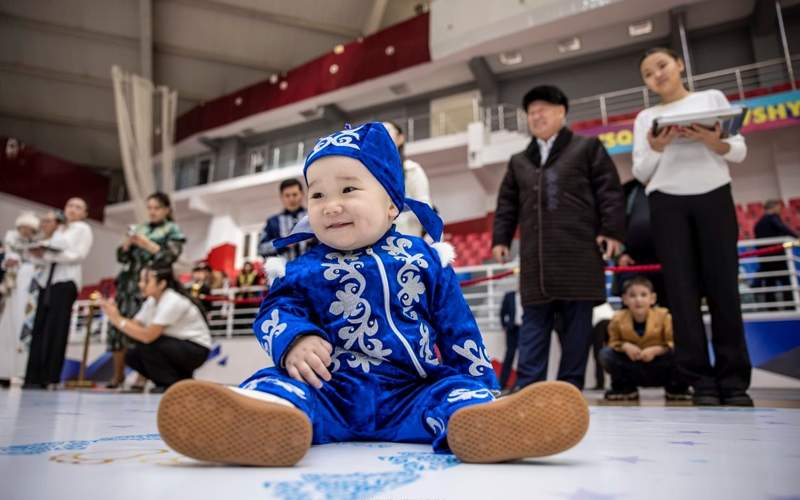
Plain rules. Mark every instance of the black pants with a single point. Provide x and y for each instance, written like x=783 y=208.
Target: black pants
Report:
x=599 y=340
x=627 y=375
x=575 y=337
x=512 y=339
x=166 y=360
x=695 y=237
x=50 y=334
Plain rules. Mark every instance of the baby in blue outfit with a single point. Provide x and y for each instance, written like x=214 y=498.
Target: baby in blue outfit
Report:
x=371 y=339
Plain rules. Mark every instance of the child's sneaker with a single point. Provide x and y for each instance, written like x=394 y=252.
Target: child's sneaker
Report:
x=216 y=423
x=622 y=395
x=538 y=420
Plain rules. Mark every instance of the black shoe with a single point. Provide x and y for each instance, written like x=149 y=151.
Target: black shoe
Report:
x=5 y=383
x=159 y=389
x=28 y=385
x=737 y=398
x=678 y=394
x=622 y=395
x=705 y=398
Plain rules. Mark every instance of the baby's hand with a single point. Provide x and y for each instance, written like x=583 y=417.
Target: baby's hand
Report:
x=308 y=358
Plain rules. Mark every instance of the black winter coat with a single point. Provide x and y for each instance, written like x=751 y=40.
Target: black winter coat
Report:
x=560 y=208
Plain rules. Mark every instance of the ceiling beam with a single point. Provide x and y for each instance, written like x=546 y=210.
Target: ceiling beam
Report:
x=485 y=78
x=61 y=120
x=174 y=50
x=132 y=42
x=146 y=38
x=375 y=17
x=78 y=79
x=270 y=17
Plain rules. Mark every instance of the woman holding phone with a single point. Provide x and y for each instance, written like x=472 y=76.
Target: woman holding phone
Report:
x=685 y=170
x=158 y=241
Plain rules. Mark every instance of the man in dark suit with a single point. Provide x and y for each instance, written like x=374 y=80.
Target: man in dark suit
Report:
x=564 y=194
x=770 y=225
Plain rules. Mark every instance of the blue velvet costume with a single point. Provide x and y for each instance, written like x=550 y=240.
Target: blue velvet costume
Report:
x=384 y=309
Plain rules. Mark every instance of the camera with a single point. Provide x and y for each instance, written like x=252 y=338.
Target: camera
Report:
x=131 y=229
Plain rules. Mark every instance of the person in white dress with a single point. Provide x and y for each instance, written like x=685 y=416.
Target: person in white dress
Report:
x=19 y=273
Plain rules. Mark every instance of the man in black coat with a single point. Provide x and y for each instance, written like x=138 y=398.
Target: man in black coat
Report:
x=770 y=225
x=564 y=194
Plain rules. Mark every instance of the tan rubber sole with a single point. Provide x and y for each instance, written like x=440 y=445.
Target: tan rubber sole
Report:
x=212 y=423
x=541 y=419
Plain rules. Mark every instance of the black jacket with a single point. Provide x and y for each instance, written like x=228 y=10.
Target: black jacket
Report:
x=560 y=208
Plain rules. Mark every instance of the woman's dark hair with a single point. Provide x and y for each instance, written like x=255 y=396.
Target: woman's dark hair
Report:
x=401 y=148
x=163 y=200
x=164 y=273
x=659 y=50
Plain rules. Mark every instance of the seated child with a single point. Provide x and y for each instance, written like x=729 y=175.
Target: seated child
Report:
x=639 y=350
x=352 y=327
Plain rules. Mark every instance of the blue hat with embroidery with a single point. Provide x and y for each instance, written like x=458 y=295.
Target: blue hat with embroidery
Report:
x=371 y=145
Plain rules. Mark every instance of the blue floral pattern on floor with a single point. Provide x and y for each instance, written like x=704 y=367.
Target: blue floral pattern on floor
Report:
x=39 y=448
x=359 y=484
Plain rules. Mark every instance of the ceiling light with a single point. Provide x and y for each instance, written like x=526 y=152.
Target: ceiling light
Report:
x=283 y=85
x=389 y=50
x=338 y=49
x=570 y=45
x=510 y=58
x=273 y=78
x=641 y=28
x=334 y=69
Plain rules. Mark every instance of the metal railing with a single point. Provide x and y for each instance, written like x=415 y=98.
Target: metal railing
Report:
x=229 y=319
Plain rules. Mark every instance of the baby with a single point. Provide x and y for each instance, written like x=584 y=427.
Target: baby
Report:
x=371 y=339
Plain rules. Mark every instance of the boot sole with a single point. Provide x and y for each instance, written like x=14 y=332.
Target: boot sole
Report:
x=212 y=423
x=540 y=420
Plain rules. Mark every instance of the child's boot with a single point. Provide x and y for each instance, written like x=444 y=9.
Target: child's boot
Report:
x=541 y=419
x=216 y=423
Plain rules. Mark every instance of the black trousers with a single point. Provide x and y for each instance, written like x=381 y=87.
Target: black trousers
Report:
x=627 y=375
x=695 y=237
x=512 y=339
x=599 y=340
x=166 y=360
x=50 y=334
x=534 y=341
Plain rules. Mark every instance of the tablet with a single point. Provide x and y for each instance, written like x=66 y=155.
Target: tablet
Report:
x=730 y=120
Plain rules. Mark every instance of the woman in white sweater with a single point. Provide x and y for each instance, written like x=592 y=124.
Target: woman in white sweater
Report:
x=685 y=170
x=62 y=260
x=416 y=184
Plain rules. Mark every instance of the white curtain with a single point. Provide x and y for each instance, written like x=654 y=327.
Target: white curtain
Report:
x=134 y=99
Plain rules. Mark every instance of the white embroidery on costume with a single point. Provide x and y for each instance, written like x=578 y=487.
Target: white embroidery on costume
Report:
x=343 y=138
x=478 y=358
x=350 y=305
x=466 y=394
x=271 y=328
x=436 y=425
x=425 y=351
x=253 y=386
x=408 y=277
x=354 y=359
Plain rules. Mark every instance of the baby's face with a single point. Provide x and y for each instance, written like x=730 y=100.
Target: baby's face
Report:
x=347 y=207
